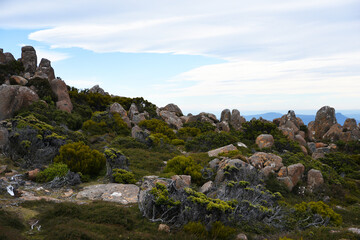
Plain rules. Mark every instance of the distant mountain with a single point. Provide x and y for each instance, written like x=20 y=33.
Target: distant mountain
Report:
x=306 y=118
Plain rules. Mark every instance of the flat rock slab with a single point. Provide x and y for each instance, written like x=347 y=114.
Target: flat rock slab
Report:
x=112 y=192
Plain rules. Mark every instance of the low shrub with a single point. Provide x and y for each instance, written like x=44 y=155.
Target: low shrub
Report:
x=202 y=126
x=54 y=170
x=209 y=140
x=188 y=133
x=123 y=176
x=158 y=126
x=182 y=165
x=81 y=158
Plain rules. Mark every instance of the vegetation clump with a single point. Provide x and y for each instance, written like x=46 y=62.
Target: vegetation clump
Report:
x=54 y=170
x=182 y=165
x=123 y=176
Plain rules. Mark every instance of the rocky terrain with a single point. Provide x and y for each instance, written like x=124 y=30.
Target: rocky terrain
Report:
x=84 y=164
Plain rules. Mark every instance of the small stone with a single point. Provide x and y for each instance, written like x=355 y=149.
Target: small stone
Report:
x=206 y=187
x=164 y=228
x=32 y=174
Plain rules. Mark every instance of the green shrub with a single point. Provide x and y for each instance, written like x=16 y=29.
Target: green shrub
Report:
x=54 y=170
x=94 y=128
x=177 y=142
x=319 y=208
x=209 y=140
x=202 y=126
x=187 y=133
x=123 y=176
x=43 y=89
x=182 y=165
x=81 y=158
x=159 y=139
x=219 y=231
x=344 y=164
x=127 y=142
x=351 y=147
x=158 y=126
x=196 y=228
x=11 y=68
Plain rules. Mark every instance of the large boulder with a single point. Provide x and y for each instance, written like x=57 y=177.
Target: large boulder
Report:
x=172 y=108
x=19 y=80
x=133 y=110
x=141 y=135
x=223 y=126
x=225 y=115
x=225 y=149
x=171 y=119
x=9 y=57
x=295 y=172
x=13 y=98
x=261 y=160
x=112 y=192
x=29 y=59
x=4 y=137
x=45 y=68
x=324 y=120
x=98 y=89
x=236 y=119
x=2 y=56
x=204 y=117
x=265 y=141
x=350 y=124
x=181 y=181
x=314 y=179
x=117 y=108
x=333 y=134
x=59 y=87
x=115 y=160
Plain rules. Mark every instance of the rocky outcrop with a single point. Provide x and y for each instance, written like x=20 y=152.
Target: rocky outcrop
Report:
x=206 y=187
x=324 y=120
x=171 y=119
x=18 y=80
x=225 y=149
x=115 y=160
x=13 y=98
x=98 y=89
x=141 y=135
x=265 y=141
x=204 y=117
x=223 y=126
x=333 y=134
x=236 y=119
x=289 y=124
x=6 y=57
x=225 y=115
x=172 y=108
x=112 y=192
x=291 y=175
x=117 y=108
x=262 y=160
x=59 y=87
x=350 y=124
x=181 y=181
x=29 y=59
x=45 y=68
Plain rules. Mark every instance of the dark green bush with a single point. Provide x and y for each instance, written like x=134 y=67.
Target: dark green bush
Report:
x=182 y=165
x=351 y=147
x=123 y=176
x=158 y=126
x=81 y=158
x=11 y=68
x=43 y=89
x=209 y=140
x=188 y=133
x=344 y=164
x=54 y=170
x=127 y=142
x=202 y=126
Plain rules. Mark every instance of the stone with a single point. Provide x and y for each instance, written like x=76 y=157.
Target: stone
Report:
x=13 y=98
x=184 y=119
x=29 y=59
x=261 y=159
x=225 y=149
x=32 y=174
x=324 y=120
x=267 y=171
x=141 y=135
x=206 y=187
x=304 y=150
x=240 y=144
x=283 y=172
x=46 y=69
x=311 y=146
x=9 y=57
x=236 y=119
x=265 y=141
x=59 y=87
x=2 y=57
x=350 y=124
x=137 y=118
x=225 y=115
x=314 y=179
x=298 y=138
x=204 y=117
x=354 y=230
x=181 y=181
x=287 y=181
x=172 y=108
x=68 y=193
x=317 y=155
x=214 y=163
x=241 y=236
x=115 y=159
x=223 y=126
x=98 y=89
x=320 y=145
x=148 y=182
x=117 y=108
x=220 y=174
x=333 y=134
x=287 y=132
x=19 y=80
x=302 y=134
x=171 y=119
x=4 y=137
x=133 y=110
x=295 y=172
x=164 y=228
x=112 y=192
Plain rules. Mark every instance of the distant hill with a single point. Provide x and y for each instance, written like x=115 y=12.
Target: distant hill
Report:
x=306 y=118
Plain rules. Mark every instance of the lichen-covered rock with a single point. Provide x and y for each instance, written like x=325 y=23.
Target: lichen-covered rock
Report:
x=236 y=119
x=171 y=119
x=262 y=159
x=117 y=108
x=295 y=172
x=225 y=149
x=45 y=68
x=334 y=133
x=164 y=228
x=112 y=192
x=29 y=59
x=265 y=141
x=141 y=135
x=298 y=138
x=172 y=108
x=59 y=87
x=138 y=117
x=287 y=181
x=223 y=126
x=324 y=120
x=204 y=117
x=13 y=98
x=19 y=80
x=350 y=124
x=314 y=179
x=206 y=187
x=115 y=159
x=181 y=181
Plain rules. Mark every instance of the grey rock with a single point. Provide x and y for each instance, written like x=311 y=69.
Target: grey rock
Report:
x=98 y=89
x=172 y=108
x=117 y=108
x=324 y=120
x=59 y=87
x=171 y=119
x=4 y=137
x=9 y=57
x=265 y=141
x=206 y=187
x=46 y=69
x=314 y=179
x=29 y=59
x=225 y=149
x=19 y=80
x=225 y=115
x=223 y=126
x=236 y=119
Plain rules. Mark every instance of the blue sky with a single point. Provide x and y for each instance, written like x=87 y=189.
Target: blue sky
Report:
x=256 y=56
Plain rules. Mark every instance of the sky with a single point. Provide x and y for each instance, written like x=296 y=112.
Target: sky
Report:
x=255 y=56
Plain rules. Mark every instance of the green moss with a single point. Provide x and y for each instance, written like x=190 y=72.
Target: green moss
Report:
x=161 y=195
x=25 y=144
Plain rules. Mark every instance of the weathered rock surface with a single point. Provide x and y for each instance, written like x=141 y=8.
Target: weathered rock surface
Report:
x=220 y=174
x=225 y=149
x=45 y=68
x=204 y=117
x=13 y=98
x=206 y=187
x=333 y=134
x=295 y=172
x=112 y=192
x=98 y=89
x=19 y=80
x=181 y=181
x=164 y=228
x=9 y=57
x=171 y=119
x=265 y=141
x=298 y=138
x=350 y=124
x=29 y=59
x=225 y=115
x=223 y=126
x=59 y=87
x=4 y=137
x=236 y=119
x=117 y=108
x=115 y=159
x=140 y=135
x=324 y=120
x=261 y=160
x=314 y=179
x=172 y=108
